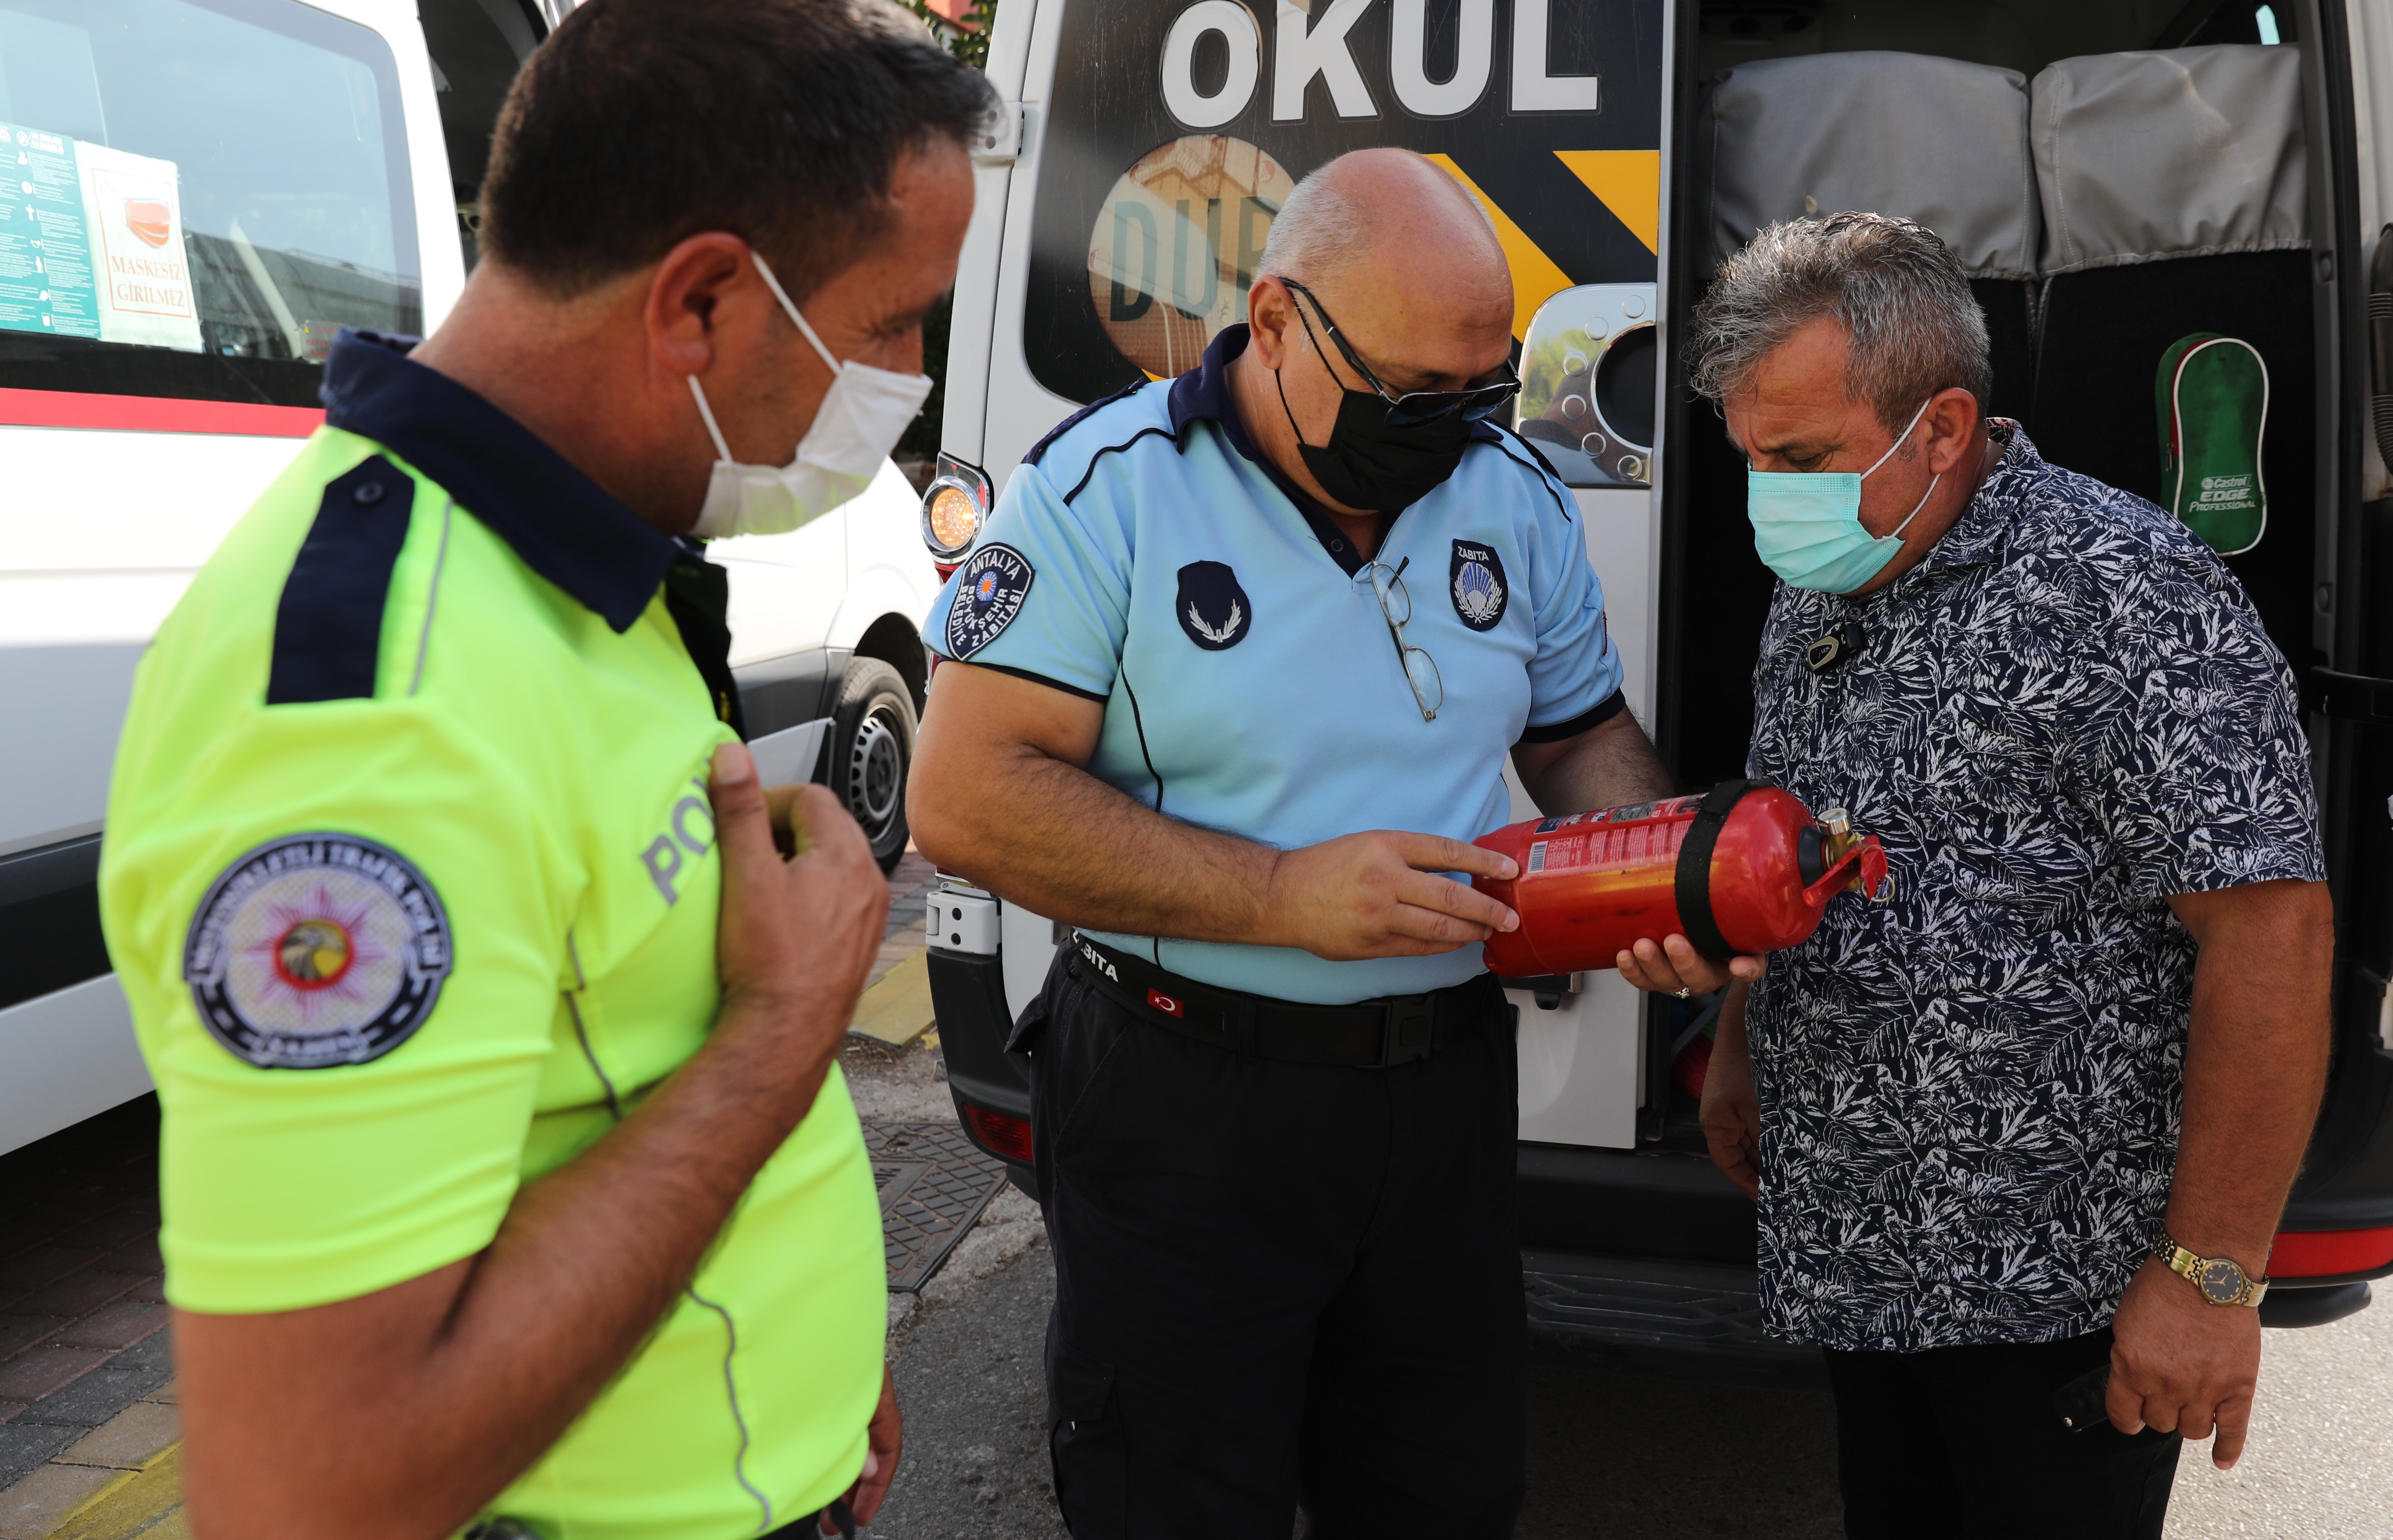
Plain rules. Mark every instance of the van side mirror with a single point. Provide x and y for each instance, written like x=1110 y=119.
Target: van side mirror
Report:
x=1587 y=384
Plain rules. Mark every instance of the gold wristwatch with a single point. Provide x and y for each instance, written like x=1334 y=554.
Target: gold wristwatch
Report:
x=2220 y=1280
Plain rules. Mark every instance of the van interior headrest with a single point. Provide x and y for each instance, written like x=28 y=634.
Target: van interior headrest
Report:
x=1932 y=139
x=2182 y=152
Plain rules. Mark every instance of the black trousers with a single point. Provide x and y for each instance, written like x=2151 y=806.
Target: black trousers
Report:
x=1964 y=1443
x=1276 y=1283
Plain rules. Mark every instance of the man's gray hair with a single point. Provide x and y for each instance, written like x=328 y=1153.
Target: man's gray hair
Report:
x=1910 y=325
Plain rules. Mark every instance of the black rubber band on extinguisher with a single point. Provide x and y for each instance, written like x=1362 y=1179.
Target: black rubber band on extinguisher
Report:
x=1694 y=873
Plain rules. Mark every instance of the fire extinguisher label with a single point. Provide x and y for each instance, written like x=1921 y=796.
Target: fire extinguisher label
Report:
x=1478 y=583
x=1608 y=847
x=1635 y=812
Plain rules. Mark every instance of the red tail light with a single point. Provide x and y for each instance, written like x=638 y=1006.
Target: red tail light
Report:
x=2330 y=1253
x=1009 y=1137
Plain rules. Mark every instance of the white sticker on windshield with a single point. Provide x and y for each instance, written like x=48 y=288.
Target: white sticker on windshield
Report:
x=133 y=209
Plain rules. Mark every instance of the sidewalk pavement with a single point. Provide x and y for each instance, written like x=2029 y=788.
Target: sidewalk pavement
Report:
x=89 y=1437
x=895 y=1009
x=123 y=1479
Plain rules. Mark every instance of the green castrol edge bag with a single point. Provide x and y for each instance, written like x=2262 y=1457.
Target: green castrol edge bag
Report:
x=2212 y=393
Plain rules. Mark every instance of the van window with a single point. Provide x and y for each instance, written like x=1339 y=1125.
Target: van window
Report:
x=1176 y=129
x=199 y=194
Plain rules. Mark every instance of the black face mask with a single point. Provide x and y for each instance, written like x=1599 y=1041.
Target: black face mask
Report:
x=1368 y=464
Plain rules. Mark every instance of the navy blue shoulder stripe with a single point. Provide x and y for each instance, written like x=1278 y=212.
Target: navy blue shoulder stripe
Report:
x=1535 y=453
x=1594 y=716
x=1034 y=678
x=1504 y=442
x=1148 y=432
x=328 y=627
x=1068 y=424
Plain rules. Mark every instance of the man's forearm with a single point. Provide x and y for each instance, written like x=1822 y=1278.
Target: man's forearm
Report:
x=1055 y=839
x=2255 y=1065
x=651 y=1197
x=587 y=1261
x=1608 y=765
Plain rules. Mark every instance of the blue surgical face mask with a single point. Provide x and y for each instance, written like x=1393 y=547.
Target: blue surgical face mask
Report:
x=1806 y=525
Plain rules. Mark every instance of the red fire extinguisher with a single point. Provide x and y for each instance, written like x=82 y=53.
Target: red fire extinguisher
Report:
x=1743 y=868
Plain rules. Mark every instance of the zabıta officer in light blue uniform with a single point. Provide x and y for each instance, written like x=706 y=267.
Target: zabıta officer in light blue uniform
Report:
x=1245 y=657
x=1228 y=685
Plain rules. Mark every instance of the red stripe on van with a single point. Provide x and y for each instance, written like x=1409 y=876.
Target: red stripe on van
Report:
x=2326 y=1253
x=69 y=409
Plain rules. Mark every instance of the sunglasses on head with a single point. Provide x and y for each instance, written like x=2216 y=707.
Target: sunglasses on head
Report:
x=1475 y=403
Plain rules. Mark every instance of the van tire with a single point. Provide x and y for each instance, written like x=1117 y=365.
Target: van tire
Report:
x=871 y=750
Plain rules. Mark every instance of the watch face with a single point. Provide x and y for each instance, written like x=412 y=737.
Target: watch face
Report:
x=2221 y=1281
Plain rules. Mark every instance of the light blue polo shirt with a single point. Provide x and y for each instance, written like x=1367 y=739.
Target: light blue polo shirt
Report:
x=1147 y=557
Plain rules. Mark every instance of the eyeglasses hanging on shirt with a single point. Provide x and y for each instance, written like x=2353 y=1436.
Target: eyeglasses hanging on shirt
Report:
x=1396 y=607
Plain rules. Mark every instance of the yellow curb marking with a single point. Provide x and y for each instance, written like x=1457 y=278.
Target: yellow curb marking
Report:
x=898 y=1009
x=133 y=1505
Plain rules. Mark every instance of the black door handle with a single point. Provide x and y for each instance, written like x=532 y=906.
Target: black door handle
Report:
x=2351 y=696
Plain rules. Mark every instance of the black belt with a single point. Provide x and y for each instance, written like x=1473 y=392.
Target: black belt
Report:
x=1373 y=1034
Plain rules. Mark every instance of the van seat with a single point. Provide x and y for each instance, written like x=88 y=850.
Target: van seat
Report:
x=1934 y=139
x=2173 y=201
x=2176 y=154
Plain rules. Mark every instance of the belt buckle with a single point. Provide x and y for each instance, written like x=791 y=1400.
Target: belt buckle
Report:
x=1405 y=1030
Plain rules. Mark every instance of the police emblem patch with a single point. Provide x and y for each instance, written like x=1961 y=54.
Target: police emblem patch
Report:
x=990 y=590
x=316 y=950
x=1480 y=595
x=1212 y=608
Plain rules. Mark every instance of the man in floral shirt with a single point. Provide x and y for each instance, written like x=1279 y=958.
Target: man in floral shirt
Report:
x=2087 y=1026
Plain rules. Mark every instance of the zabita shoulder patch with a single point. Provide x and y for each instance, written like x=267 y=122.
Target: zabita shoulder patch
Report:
x=1478 y=583
x=316 y=950
x=990 y=590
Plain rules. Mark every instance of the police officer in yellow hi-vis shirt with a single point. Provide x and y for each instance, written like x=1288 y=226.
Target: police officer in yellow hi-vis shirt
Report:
x=509 y=1180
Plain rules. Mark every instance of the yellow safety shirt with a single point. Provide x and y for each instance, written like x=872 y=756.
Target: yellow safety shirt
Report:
x=411 y=878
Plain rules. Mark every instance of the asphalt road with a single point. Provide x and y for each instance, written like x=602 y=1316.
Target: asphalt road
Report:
x=1630 y=1459
x=976 y=1458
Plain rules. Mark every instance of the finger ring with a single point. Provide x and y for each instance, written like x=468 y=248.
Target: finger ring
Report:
x=1684 y=993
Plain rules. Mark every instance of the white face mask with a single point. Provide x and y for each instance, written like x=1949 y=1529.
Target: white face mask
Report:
x=862 y=417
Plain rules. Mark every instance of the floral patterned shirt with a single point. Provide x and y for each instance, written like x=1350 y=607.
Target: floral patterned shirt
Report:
x=1970 y=1090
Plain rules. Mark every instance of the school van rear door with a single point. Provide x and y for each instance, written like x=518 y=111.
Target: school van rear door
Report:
x=1124 y=203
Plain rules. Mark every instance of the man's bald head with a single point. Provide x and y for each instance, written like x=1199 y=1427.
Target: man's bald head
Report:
x=1387 y=219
